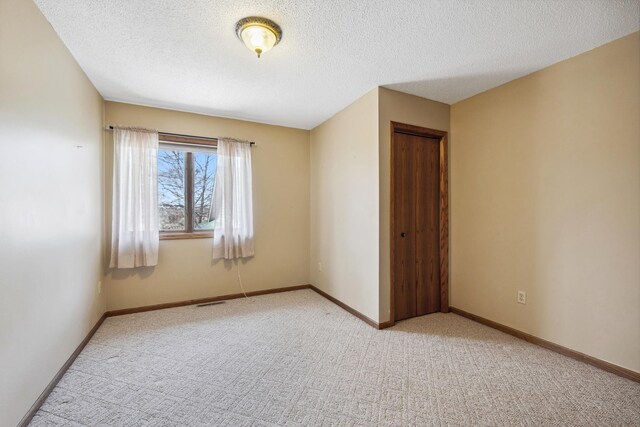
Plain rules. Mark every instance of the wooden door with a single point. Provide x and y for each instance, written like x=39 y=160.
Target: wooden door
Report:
x=404 y=267
x=427 y=228
x=416 y=225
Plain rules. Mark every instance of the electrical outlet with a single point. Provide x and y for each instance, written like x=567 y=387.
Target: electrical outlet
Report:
x=99 y=287
x=522 y=297
x=319 y=266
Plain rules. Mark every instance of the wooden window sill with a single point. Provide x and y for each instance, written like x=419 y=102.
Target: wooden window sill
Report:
x=179 y=236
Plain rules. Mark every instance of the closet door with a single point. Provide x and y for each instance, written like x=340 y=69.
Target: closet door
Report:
x=416 y=228
x=404 y=227
x=427 y=205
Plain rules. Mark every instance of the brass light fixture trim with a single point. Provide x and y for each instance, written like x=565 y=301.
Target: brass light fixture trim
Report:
x=250 y=23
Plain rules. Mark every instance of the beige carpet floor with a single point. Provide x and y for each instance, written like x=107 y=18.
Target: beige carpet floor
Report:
x=296 y=359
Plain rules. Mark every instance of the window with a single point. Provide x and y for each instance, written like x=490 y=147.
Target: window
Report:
x=186 y=175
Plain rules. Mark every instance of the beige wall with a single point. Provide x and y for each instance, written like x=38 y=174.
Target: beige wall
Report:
x=344 y=205
x=51 y=206
x=281 y=216
x=546 y=198
x=350 y=180
x=398 y=107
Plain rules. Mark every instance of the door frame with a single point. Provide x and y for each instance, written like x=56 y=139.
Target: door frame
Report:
x=444 y=210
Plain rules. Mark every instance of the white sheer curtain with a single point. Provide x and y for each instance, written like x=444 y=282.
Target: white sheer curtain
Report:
x=232 y=207
x=134 y=223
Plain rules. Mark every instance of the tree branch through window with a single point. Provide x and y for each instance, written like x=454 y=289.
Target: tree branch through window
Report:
x=185 y=174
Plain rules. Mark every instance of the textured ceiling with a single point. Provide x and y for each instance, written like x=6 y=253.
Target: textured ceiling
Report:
x=184 y=54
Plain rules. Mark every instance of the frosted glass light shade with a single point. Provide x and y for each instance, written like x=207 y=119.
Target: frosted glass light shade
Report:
x=258 y=38
x=260 y=35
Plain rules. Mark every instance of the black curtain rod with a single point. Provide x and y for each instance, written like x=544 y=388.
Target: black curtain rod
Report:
x=110 y=127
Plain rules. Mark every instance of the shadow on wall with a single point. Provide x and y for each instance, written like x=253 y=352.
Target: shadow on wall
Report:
x=229 y=264
x=145 y=272
x=124 y=273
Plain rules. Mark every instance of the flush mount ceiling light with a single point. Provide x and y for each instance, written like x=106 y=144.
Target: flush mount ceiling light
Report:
x=258 y=34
